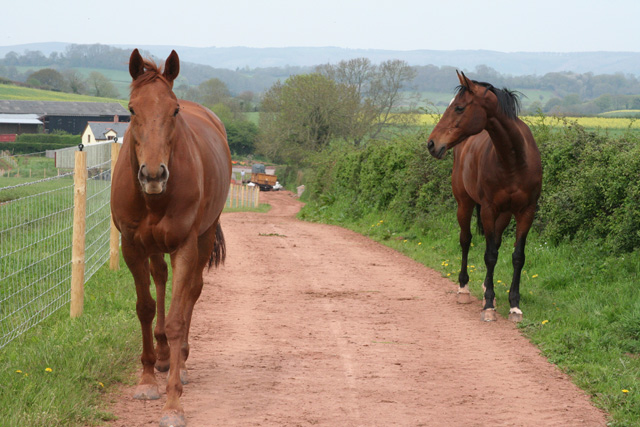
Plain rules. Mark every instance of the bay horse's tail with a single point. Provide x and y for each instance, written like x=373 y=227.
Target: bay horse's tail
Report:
x=219 y=253
x=479 y=221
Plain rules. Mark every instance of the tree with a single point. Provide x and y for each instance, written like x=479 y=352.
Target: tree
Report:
x=379 y=89
x=75 y=81
x=48 y=78
x=303 y=115
x=101 y=86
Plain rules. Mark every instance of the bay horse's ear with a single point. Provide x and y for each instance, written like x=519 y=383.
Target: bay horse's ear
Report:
x=172 y=67
x=136 y=64
x=464 y=81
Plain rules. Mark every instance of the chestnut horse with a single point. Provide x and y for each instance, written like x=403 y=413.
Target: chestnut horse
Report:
x=496 y=166
x=169 y=187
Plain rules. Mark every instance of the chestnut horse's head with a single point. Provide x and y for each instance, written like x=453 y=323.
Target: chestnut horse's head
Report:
x=468 y=113
x=154 y=114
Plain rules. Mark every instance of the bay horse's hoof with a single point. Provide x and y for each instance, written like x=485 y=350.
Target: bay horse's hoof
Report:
x=515 y=315
x=489 y=315
x=464 y=298
x=184 y=376
x=146 y=392
x=162 y=365
x=173 y=419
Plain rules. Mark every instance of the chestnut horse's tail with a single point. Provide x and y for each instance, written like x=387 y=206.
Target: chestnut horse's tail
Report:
x=219 y=249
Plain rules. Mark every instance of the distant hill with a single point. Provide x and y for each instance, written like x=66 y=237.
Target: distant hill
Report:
x=514 y=63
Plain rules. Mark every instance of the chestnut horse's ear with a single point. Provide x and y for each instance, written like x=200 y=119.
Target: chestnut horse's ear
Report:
x=136 y=64
x=172 y=67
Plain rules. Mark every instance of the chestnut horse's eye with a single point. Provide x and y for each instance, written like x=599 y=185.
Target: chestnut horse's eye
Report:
x=133 y=113
x=458 y=109
x=175 y=113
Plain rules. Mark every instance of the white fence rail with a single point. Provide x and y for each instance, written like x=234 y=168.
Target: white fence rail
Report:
x=36 y=235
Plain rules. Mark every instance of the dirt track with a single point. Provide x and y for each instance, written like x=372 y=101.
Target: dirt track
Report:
x=310 y=324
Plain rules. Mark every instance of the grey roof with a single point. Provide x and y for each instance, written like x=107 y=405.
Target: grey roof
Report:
x=100 y=128
x=22 y=119
x=64 y=108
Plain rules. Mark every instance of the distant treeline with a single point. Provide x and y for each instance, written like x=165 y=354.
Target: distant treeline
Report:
x=579 y=93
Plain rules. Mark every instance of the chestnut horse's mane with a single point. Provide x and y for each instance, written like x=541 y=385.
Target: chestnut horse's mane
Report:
x=508 y=100
x=152 y=72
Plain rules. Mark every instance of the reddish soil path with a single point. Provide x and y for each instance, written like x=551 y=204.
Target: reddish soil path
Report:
x=311 y=324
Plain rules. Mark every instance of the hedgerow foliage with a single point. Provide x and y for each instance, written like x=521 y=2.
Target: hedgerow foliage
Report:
x=591 y=183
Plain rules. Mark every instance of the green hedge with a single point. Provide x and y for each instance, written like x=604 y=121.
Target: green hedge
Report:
x=35 y=143
x=591 y=183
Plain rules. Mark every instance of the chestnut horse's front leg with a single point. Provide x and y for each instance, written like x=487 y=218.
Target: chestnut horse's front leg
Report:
x=159 y=273
x=184 y=265
x=138 y=263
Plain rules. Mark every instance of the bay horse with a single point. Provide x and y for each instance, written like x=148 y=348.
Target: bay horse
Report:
x=496 y=166
x=169 y=186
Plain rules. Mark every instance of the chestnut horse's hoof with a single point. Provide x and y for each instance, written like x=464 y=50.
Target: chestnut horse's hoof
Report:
x=146 y=392
x=515 y=315
x=489 y=315
x=464 y=298
x=162 y=365
x=173 y=419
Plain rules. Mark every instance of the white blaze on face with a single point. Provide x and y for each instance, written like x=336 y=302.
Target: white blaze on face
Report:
x=451 y=102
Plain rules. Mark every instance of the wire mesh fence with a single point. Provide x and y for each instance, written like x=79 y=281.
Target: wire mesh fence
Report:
x=36 y=224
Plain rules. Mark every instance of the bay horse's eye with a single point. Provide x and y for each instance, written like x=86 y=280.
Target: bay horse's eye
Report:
x=458 y=109
x=133 y=113
x=175 y=113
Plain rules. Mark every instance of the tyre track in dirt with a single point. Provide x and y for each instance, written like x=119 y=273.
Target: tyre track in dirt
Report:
x=312 y=324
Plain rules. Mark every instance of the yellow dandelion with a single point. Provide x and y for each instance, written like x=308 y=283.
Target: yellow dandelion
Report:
x=534 y=276
x=544 y=322
x=419 y=243
x=405 y=240
x=472 y=245
x=499 y=281
x=101 y=385
x=472 y=266
x=625 y=391
x=448 y=274
x=18 y=371
x=48 y=370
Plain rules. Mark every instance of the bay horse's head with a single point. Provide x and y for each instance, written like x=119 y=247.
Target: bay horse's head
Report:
x=154 y=113
x=468 y=112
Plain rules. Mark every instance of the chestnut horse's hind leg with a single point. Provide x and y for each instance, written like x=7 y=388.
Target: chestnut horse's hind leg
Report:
x=138 y=264
x=206 y=243
x=159 y=273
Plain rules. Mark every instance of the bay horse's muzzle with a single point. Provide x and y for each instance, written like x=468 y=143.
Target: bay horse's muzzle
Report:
x=153 y=181
x=437 y=152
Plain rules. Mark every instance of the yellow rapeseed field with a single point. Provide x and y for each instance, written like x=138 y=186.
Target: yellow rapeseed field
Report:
x=587 y=122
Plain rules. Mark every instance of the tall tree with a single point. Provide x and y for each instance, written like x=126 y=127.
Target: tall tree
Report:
x=303 y=115
x=101 y=86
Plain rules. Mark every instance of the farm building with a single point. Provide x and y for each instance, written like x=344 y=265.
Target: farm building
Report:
x=71 y=117
x=15 y=124
x=103 y=131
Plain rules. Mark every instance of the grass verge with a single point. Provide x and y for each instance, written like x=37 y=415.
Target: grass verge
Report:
x=581 y=304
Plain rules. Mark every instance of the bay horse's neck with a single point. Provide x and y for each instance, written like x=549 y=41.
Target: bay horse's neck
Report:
x=508 y=140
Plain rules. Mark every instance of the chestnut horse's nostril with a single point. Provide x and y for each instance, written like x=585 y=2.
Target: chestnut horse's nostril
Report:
x=142 y=172
x=164 y=172
x=430 y=144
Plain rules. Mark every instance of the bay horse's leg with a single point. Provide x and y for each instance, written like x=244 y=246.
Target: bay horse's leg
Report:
x=138 y=264
x=159 y=273
x=490 y=259
x=465 y=212
x=523 y=224
x=184 y=263
x=206 y=243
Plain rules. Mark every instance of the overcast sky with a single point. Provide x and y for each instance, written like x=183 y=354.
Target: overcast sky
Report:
x=501 y=25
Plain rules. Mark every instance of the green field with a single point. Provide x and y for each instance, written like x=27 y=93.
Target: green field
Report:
x=30 y=94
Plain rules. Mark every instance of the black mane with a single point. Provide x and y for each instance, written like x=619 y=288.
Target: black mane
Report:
x=508 y=100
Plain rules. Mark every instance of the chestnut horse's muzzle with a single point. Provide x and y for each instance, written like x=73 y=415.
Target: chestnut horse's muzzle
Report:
x=153 y=181
x=437 y=152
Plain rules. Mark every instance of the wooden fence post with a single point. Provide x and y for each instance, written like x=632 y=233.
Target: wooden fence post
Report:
x=79 y=227
x=114 y=238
